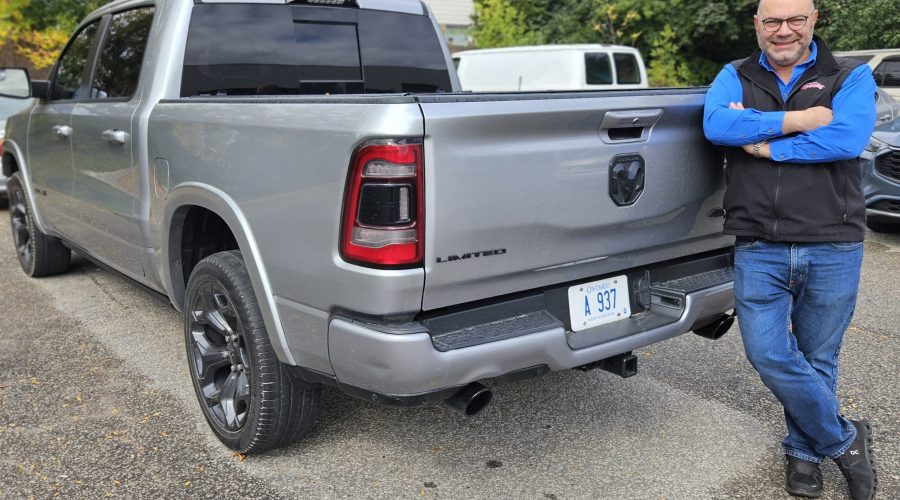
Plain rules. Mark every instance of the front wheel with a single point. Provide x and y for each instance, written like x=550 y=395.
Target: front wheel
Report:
x=39 y=254
x=250 y=400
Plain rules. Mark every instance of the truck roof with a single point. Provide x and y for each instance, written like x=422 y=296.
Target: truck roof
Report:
x=406 y=6
x=403 y=6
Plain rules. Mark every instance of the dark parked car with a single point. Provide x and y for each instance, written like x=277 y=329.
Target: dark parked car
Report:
x=881 y=177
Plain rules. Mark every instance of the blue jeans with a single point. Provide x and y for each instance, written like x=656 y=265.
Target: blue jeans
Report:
x=794 y=302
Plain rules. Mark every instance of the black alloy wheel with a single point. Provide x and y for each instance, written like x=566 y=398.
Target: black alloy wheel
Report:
x=18 y=215
x=39 y=254
x=219 y=357
x=250 y=400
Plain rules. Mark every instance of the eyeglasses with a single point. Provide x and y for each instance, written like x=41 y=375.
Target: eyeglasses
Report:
x=795 y=23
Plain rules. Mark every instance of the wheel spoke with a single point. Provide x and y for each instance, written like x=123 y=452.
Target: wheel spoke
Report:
x=206 y=311
x=208 y=358
x=243 y=389
x=19 y=221
x=18 y=207
x=228 y=400
x=218 y=323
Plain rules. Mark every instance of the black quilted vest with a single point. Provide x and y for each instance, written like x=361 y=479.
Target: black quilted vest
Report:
x=793 y=202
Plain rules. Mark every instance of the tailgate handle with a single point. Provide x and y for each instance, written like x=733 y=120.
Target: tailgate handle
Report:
x=628 y=125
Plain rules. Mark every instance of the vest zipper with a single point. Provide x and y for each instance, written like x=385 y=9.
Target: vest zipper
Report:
x=777 y=196
x=843 y=193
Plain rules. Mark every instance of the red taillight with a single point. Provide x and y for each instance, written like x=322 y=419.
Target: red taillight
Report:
x=384 y=212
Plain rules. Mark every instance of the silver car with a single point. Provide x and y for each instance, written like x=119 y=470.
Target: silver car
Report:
x=887 y=108
x=8 y=107
x=881 y=178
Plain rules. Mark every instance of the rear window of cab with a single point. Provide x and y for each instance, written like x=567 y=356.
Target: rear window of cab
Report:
x=235 y=49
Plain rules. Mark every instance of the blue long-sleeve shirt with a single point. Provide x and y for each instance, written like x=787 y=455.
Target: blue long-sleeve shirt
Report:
x=844 y=138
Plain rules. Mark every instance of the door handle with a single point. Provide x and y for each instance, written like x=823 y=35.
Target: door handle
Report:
x=62 y=130
x=115 y=136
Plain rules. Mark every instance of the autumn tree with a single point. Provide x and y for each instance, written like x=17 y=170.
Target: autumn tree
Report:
x=37 y=30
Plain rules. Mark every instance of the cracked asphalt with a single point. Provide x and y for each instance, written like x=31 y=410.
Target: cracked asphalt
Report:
x=95 y=402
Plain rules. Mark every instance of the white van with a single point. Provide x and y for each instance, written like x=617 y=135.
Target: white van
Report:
x=885 y=64
x=551 y=67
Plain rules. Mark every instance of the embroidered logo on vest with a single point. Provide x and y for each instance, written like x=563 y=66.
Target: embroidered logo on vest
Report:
x=813 y=85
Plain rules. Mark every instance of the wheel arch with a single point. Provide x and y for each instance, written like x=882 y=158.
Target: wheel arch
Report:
x=193 y=203
x=11 y=163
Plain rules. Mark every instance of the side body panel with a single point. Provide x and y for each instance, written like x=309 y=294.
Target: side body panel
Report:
x=107 y=185
x=283 y=166
x=50 y=164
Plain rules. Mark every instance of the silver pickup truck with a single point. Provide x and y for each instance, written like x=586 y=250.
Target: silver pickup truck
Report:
x=306 y=182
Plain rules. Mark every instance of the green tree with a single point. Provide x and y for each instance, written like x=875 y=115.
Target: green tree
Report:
x=854 y=24
x=498 y=23
x=684 y=41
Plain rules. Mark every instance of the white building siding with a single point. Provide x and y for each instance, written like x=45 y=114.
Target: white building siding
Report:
x=452 y=12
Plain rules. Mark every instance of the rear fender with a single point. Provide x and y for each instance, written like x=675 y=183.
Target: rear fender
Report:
x=216 y=201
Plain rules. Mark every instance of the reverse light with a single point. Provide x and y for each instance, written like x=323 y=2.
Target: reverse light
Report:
x=384 y=217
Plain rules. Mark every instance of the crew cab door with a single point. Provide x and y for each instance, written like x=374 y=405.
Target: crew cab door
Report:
x=50 y=132
x=107 y=184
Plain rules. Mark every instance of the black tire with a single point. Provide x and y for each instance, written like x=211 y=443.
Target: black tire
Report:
x=250 y=400
x=39 y=254
x=883 y=227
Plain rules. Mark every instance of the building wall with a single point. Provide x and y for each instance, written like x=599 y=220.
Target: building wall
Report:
x=452 y=12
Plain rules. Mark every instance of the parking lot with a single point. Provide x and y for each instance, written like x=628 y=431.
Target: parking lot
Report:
x=95 y=401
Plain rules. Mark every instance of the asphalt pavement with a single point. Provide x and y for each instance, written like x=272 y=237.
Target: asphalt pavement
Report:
x=95 y=401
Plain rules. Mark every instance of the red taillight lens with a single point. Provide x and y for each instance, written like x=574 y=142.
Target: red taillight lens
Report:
x=384 y=212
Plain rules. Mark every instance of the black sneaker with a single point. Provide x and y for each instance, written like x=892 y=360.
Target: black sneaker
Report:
x=804 y=479
x=857 y=465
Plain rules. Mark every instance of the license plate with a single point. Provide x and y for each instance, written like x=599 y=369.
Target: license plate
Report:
x=599 y=302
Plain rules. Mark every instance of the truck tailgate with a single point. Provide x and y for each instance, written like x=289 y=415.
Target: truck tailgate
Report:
x=518 y=188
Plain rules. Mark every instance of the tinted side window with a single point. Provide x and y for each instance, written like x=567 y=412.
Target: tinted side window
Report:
x=73 y=64
x=627 y=70
x=597 y=68
x=122 y=53
x=235 y=49
x=887 y=74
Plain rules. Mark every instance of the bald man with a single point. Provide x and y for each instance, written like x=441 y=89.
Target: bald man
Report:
x=793 y=120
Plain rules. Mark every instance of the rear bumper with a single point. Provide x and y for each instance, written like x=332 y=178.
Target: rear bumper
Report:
x=388 y=366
